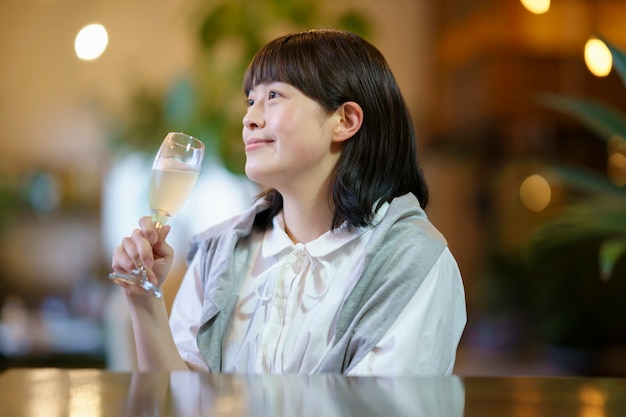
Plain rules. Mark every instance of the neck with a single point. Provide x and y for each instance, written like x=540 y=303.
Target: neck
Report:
x=307 y=219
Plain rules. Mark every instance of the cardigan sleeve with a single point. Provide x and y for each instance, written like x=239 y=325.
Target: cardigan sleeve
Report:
x=184 y=317
x=424 y=337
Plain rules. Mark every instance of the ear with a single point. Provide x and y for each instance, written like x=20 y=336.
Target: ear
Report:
x=349 y=121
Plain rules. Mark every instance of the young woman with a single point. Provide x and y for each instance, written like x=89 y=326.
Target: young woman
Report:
x=335 y=268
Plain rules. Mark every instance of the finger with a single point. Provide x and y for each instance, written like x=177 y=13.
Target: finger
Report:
x=162 y=248
x=152 y=277
x=164 y=232
x=149 y=229
x=140 y=248
x=122 y=262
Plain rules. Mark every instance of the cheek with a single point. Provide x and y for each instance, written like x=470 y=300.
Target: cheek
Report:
x=303 y=132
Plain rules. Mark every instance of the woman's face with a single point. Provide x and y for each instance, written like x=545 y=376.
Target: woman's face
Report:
x=288 y=139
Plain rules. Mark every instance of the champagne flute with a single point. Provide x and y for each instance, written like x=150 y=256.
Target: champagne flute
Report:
x=175 y=171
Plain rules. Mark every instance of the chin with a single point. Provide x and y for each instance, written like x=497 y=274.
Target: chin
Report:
x=254 y=175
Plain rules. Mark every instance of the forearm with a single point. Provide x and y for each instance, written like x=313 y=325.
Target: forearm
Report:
x=155 y=345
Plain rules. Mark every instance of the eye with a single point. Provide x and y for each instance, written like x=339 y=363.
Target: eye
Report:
x=250 y=102
x=272 y=94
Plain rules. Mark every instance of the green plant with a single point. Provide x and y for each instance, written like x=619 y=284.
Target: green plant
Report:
x=10 y=200
x=600 y=211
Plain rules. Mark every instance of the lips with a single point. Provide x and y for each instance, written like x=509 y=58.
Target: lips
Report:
x=255 y=143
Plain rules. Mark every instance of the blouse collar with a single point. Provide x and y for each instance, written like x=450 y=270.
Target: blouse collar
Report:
x=277 y=241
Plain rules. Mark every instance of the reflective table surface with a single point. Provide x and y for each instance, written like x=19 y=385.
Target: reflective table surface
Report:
x=90 y=392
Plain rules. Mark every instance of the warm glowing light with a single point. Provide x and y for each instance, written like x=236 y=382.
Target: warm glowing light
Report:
x=535 y=193
x=617 y=144
x=593 y=402
x=616 y=169
x=91 y=42
x=85 y=397
x=598 y=57
x=618 y=160
x=45 y=396
x=536 y=6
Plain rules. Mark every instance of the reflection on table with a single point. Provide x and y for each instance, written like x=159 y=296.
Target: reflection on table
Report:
x=56 y=392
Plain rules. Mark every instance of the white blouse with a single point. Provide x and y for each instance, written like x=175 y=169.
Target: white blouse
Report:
x=291 y=297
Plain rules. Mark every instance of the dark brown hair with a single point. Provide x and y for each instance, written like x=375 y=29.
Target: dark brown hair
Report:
x=380 y=161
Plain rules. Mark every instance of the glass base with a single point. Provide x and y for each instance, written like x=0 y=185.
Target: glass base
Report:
x=137 y=282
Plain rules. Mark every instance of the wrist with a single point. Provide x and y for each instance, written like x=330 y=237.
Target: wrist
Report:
x=143 y=301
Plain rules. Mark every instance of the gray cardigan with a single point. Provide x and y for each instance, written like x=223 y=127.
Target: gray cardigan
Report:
x=401 y=252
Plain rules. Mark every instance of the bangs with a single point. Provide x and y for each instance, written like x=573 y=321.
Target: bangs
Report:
x=265 y=69
x=290 y=59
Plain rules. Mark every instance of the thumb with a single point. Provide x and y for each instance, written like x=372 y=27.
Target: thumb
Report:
x=161 y=247
x=164 y=231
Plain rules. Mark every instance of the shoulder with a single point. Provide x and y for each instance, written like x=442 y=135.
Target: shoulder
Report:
x=406 y=225
x=404 y=244
x=229 y=230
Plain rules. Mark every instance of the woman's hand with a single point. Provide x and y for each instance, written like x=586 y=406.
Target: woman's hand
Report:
x=147 y=247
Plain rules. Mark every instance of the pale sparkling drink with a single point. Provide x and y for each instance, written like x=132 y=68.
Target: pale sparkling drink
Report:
x=169 y=189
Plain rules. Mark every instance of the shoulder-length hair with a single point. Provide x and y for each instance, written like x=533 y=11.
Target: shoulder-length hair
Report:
x=379 y=162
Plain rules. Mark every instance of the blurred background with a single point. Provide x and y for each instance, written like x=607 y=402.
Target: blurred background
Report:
x=530 y=197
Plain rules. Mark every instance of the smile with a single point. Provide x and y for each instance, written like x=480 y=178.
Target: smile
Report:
x=253 y=144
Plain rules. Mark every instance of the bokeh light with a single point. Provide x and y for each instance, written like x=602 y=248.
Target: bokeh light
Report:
x=535 y=193
x=616 y=169
x=91 y=41
x=598 y=57
x=536 y=6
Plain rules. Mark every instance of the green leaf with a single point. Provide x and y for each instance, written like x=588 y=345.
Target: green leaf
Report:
x=180 y=103
x=584 y=180
x=212 y=26
x=610 y=252
x=619 y=58
x=354 y=22
x=600 y=118
x=592 y=218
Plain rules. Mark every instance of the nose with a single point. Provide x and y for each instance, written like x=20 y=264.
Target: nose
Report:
x=253 y=118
